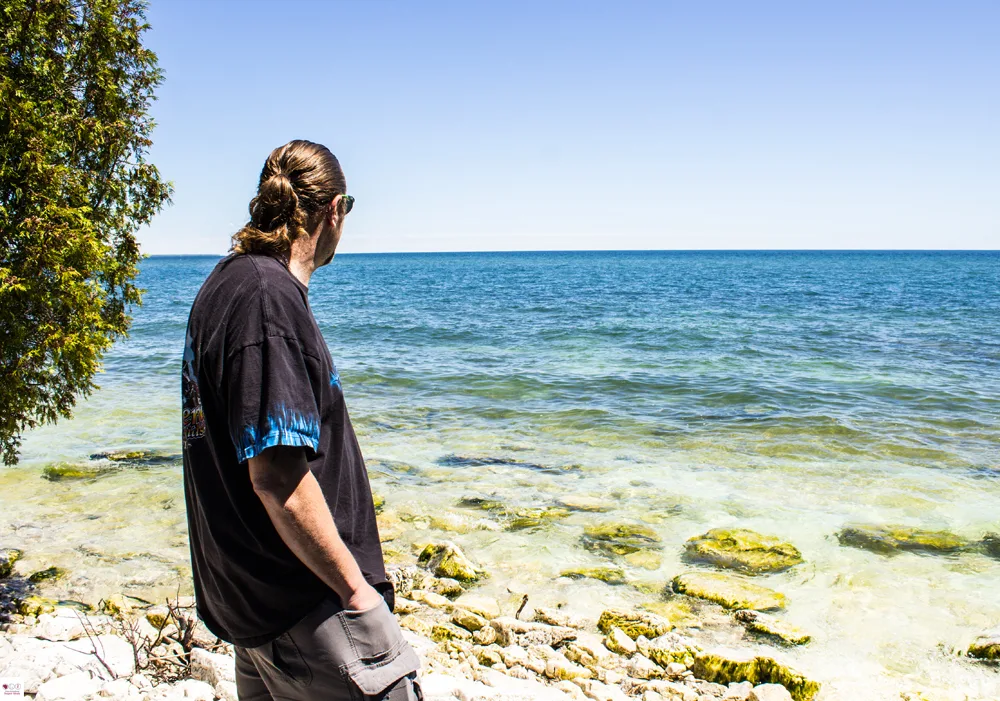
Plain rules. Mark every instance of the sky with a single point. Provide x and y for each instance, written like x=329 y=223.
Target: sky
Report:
x=487 y=126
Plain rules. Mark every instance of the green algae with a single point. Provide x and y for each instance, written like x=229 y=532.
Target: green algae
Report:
x=35 y=605
x=773 y=628
x=70 y=471
x=447 y=560
x=619 y=538
x=986 y=646
x=8 y=558
x=47 y=575
x=889 y=540
x=633 y=623
x=678 y=611
x=138 y=458
x=726 y=667
x=729 y=591
x=608 y=575
x=742 y=550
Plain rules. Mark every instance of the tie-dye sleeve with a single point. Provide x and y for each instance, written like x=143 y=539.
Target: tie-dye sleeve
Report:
x=272 y=400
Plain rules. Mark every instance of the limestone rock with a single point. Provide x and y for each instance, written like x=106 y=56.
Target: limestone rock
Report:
x=670 y=649
x=446 y=586
x=415 y=624
x=585 y=503
x=608 y=575
x=226 y=691
x=725 y=666
x=889 y=540
x=729 y=591
x=487 y=635
x=468 y=620
x=211 y=667
x=559 y=668
x=739 y=692
x=47 y=575
x=633 y=623
x=513 y=631
x=35 y=606
x=405 y=579
x=489 y=656
x=447 y=560
x=742 y=550
x=991 y=544
x=484 y=606
x=641 y=667
x=556 y=617
x=770 y=692
x=598 y=691
x=986 y=646
x=448 y=631
x=69 y=688
x=678 y=611
x=646 y=559
x=619 y=538
x=431 y=599
x=618 y=641
x=60 y=625
x=767 y=625
x=8 y=557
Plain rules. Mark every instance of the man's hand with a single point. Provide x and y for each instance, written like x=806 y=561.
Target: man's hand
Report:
x=295 y=503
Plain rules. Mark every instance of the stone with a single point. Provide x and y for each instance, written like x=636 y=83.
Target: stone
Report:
x=599 y=691
x=403 y=606
x=770 y=692
x=986 y=646
x=559 y=668
x=35 y=606
x=633 y=623
x=448 y=631
x=619 y=538
x=447 y=560
x=118 y=689
x=487 y=635
x=742 y=550
x=676 y=669
x=724 y=666
x=431 y=599
x=140 y=681
x=468 y=620
x=415 y=624
x=71 y=471
x=641 y=667
x=446 y=587
x=8 y=557
x=60 y=625
x=618 y=641
x=585 y=503
x=991 y=544
x=226 y=691
x=211 y=667
x=556 y=617
x=47 y=575
x=69 y=688
x=669 y=649
x=772 y=627
x=646 y=559
x=729 y=591
x=513 y=631
x=677 y=610
x=194 y=690
x=531 y=517
x=739 y=691
x=488 y=656
x=889 y=540
x=608 y=575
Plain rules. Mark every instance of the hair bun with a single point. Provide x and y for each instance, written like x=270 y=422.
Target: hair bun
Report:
x=276 y=202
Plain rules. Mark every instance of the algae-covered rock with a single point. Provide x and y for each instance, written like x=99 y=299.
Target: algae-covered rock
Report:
x=986 y=646
x=769 y=626
x=488 y=656
x=560 y=668
x=483 y=503
x=742 y=550
x=445 y=586
x=728 y=666
x=533 y=517
x=47 y=575
x=447 y=560
x=729 y=591
x=678 y=611
x=468 y=620
x=619 y=538
x=633 y=623
x=448 y=631
x=35 y=605
x=8 y=557
x=379 y=502
x=585 y=503
x=608 y=575
x=71 y=471
x=620 y=642
x=646 y=559
x=991 y=544
x=669 y=649
x=138 y=458
x=889 y=540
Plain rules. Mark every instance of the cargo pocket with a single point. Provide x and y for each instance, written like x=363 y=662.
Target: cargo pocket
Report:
x=381 y=655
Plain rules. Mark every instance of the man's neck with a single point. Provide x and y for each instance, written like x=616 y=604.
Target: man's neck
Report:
x=302 y=259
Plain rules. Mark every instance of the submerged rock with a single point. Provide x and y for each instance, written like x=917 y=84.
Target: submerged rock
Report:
x=533 y=517
x=727 y=666
x=889 y=540
x=646 y=559
x=678 y=611
x=986 y=646
x=633 y=623
x=619 y=538
x=485 y=460
x=70 y=471
x=763 y=624
x=447 y=560
x=379 y=502
x=8 y=557
x=585 y=503
x=608 y=575
x=138 y=458
x=35 y=605
x=742 y=550
x=729 y=591
x=46 y=575
x=991 y=544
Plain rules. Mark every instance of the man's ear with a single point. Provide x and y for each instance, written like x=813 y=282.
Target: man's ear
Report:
x=333 y=215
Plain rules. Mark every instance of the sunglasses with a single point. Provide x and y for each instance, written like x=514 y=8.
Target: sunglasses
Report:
x=347 y=203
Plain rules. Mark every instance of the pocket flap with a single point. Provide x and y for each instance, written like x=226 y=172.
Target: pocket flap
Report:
x=374 y=677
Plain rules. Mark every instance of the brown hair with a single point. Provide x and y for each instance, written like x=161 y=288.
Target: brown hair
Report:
x=298 y=179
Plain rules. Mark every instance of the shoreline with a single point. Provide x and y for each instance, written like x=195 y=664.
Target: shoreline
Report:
x=472 y=646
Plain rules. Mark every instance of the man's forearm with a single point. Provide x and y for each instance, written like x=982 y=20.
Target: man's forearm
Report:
x=294 y=501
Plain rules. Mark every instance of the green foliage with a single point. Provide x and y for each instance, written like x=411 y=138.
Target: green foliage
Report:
x=76 y=84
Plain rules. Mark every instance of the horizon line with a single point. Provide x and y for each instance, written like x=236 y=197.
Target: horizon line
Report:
x=620 y=250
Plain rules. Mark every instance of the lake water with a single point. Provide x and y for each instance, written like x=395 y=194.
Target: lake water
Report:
x=790 y=393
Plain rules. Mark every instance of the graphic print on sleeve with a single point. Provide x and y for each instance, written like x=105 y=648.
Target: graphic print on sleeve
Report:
x=282 y=427
x=193 y=413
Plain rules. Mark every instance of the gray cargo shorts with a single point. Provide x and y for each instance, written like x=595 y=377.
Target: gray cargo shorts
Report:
x=332 y=654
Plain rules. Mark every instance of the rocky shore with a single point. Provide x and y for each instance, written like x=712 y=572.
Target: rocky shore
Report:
x=473 y=647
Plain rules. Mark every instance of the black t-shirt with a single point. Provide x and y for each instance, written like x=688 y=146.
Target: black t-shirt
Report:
x=257 y=373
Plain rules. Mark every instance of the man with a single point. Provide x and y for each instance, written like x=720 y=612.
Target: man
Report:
x=284 y=545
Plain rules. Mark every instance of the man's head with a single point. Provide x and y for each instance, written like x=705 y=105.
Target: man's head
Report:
x=301 y=200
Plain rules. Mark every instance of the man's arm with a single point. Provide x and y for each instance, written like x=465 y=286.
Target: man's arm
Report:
x=295 y=503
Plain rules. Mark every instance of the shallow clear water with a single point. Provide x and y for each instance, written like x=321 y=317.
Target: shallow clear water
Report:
x=791 y=393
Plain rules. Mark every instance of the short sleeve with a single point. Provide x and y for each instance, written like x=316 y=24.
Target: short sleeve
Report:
x=271 y=398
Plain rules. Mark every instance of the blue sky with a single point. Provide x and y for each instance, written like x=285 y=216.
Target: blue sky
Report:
x=583 y=125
